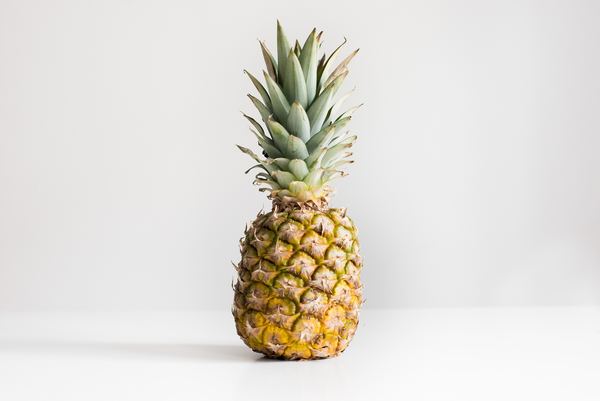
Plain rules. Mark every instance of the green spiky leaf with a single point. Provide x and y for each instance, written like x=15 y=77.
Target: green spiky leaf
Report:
x=323 y=137
x=298 y=168
x=329 y=175
x=253 y=155
x=279 y=134
x=297 y=49
x=282 y=162
x=283 y=178
x=295 y=149
x=308 y=62
x=295 y=86
x=281 y=107
x=261 y=89
x=342 y=68
x=270 y=61
x=298 y=123
x=298 y=188
x=267 y=145
x=318 y=110
x=255 y=124
x=332 y=114
x=313 y=179
x=325 y=66
x=283 y=49
x=314 y=160
x=262 y=109
x=349 y=112
x=335 y=153
x=320 y=139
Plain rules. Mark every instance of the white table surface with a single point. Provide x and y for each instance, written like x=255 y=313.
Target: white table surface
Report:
x=410 y=354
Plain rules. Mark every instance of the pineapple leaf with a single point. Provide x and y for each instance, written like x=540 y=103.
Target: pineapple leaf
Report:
x=313 y=179
x=321 y=138
x=270 y=183
x=295 y=86
x=315 y=157
x=269 y=61
x=331 y=114
x=283 y=49
x=279 y=134
x=282 y=163
x=329 y=175
x=260 y=136
x=342 y=68
x=262 y=109
x=249 y=153
x=298 y=168
x=298 y=123
x=255 y=124
x=341 y=163
x=281 y=107
x=267 y=145
x=263 y=176
x=255 y=166
x=297 y=188
x=325 y=66
x=319 y=38
x=295 y=148
x=349 y=112
x=253 y=155
x=261 y=89
x=271 y=150
x=335 y=153
x=318 y=110
x=283 y=178
x=308 y=62
x=343 y=139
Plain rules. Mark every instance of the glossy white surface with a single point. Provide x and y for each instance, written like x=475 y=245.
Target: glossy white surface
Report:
x=420 y=354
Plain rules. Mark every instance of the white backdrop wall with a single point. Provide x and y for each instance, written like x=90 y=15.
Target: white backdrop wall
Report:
x=478 y=173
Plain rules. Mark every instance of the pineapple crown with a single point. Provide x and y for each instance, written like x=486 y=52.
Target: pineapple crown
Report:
x=304 y=143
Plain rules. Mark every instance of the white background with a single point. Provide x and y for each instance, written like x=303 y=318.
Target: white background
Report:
x=477 y=180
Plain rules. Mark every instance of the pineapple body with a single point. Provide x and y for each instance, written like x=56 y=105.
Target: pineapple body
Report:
x=298 y=290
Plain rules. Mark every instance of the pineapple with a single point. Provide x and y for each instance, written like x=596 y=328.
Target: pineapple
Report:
x=298 y=289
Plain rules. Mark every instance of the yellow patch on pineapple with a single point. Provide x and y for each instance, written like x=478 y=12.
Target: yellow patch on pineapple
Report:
x=306 y=329
x=315 y=245
x=289 y=286
x=275 y=339
x=297 y=351
x=265 y=272
x=335 y=318
x=314 y=302
x=302 y=265
x=325 y=345
x=261 y=240
x=291 y=231
x=282 y=312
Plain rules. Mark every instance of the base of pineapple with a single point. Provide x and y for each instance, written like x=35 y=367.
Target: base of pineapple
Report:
x=277 y=343
x=296 y=354
x=298 y=291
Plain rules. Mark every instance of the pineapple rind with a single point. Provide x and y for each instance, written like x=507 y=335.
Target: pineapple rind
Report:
x=298 y=291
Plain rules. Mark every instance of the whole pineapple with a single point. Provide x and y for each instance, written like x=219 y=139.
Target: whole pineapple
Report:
x=298 y=290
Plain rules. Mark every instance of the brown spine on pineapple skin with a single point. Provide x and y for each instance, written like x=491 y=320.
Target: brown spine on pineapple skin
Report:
x=298 y=291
